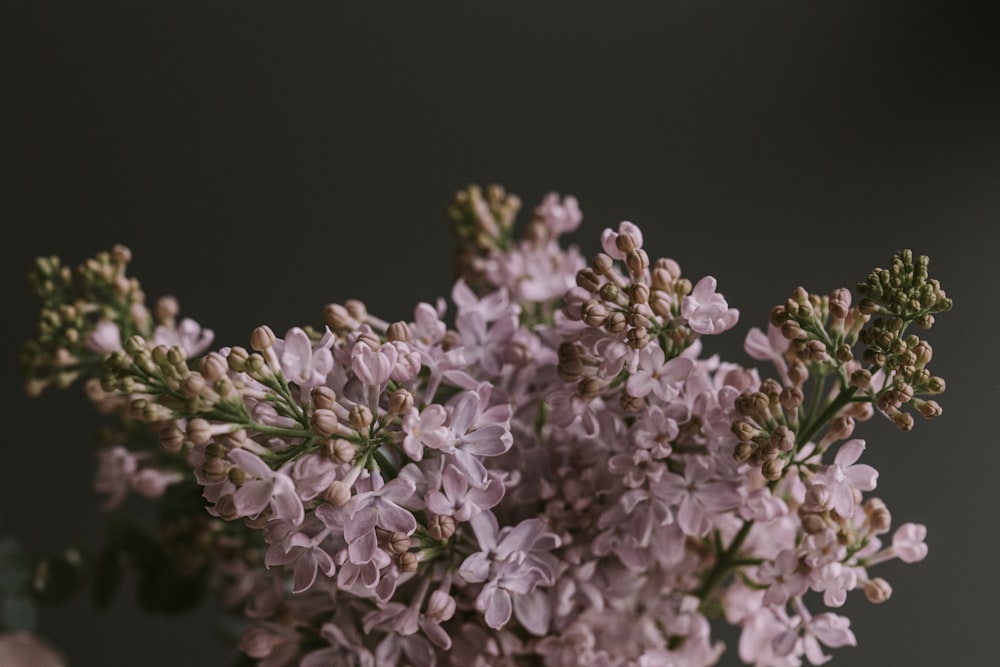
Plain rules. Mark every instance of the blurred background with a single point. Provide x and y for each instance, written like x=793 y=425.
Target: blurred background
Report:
x=264 y=160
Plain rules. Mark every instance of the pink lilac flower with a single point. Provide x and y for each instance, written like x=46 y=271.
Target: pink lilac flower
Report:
x=698 y=495
x=105 y=337
x=460 y=500
x=377 y=507
x=706 y=310
x=468 y=441
x=908 y=542
x=845 y=476
x=303 y=362
x=188 y=336
x=116 y=465
x=265 y=488
x=654 y=373
x=783 y=578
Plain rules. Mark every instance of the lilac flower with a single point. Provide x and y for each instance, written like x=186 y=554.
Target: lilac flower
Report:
x=188 y=336
x=844 y=477
x=265 y=488
x=782 y=577
x=512 y=561
x=305 y=555
x=105 y=337
x=377 y=507
x=302 y=362
x=425 y=428
x=116 y=465
x=460 y=500
x=908 y=542
x=706 y=310
x=469 y=441
x=653 y=373
x=698 y=495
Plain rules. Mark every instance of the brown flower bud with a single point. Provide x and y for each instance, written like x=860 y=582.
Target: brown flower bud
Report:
x=877 y=590
x=171 y=438
x=601 y=264
x=324 y=422
x=262 y=338
x=360 y=417
x=337 y=494
x=408 y=562
x=441 y=527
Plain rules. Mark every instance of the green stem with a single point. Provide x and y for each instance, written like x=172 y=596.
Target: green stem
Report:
x=726 y=562
x=813 y=426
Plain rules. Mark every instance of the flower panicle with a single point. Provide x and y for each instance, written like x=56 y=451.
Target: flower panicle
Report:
x=504 y=475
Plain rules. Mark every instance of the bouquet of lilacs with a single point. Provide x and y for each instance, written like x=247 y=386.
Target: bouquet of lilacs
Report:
x=547 y=471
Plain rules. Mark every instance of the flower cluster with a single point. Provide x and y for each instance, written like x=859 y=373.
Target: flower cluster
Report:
x=553 y=473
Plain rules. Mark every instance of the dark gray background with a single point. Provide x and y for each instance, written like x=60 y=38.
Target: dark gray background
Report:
x=264 y=160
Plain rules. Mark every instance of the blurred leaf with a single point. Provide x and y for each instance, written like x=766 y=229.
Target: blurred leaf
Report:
x=108 y=577
x=17 y=612
x=15 y=566
x=162 y=588
x=57 y=578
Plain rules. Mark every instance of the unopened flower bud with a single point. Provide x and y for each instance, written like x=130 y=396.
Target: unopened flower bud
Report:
x=609 y=293
x=902 y=420
x=324 y=422
x=588 y=280
x=590 y=388
x=213 y=366
x=595 y=313
x=398 y=331
x=812 y=524
x=616 y=322
x=199 y=431
x=625 y=242
x=639 y=315
x=790 y=329
x=844 y=353
x=171 y=438
x=744 y=450
x=638 y=293
x=237 y=359
x=440 y=607
x=797 y=373
x=632 y=404
x=215 y=470
x=841 y=428
x=783 y=438
x=877 y=590
x=637 y=338
x=398 y=543
x=195 y=384
x=637 y=262
x=744 y=430
x=441 y=527
x=262 y=338
x=337 y=318
x=256 y=367
x=360 y=417
x=929 y=409
x=337 y=494
x=323 y=398
x=225 y=507
x=861 y=378
x=818 y=497
x=879 y=518
x=773 y=469
x=408 y=562
x=935 y=385
x=400 y=402
x=601 y=264
x=791 y=398
x=237 y=476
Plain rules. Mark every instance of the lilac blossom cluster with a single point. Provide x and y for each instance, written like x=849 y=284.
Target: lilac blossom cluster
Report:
x=553 y=473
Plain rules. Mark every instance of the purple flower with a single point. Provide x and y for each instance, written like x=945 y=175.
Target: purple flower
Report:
x=706 y=310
